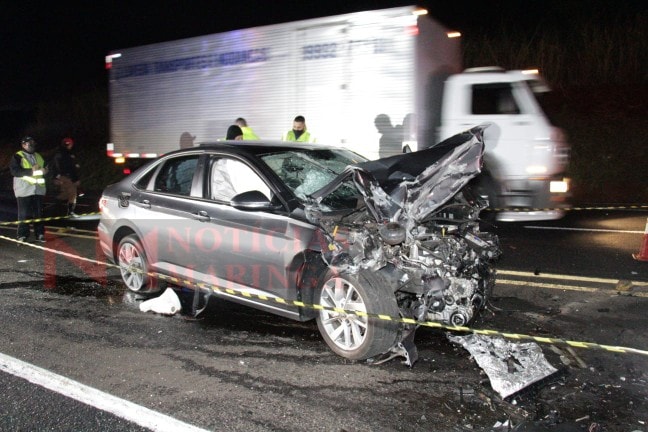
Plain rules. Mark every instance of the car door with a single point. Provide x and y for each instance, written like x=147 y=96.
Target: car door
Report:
x=165 y=205
x=257 y=251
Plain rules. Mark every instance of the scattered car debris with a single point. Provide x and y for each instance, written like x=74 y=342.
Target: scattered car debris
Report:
x=166 y=304
x=509 y=366
x=624 y=286
x=569 y=357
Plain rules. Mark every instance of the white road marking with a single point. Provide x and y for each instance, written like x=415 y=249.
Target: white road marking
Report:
x=96 y=398
x=583 y=229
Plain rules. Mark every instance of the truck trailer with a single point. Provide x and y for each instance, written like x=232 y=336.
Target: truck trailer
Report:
x=378 y=82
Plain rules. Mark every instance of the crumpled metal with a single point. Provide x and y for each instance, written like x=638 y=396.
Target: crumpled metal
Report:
x=509 y=366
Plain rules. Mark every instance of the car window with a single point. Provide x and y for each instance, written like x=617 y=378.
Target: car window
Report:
x=143 y=181
x=176 y=175
x=346 y=196
x=230 y=177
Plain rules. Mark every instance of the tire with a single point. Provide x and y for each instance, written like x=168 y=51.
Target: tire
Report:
x=134 y=267
x=351 y=336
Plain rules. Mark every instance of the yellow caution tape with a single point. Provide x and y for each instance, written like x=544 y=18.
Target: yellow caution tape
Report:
x=47 y=219
x=296 y=303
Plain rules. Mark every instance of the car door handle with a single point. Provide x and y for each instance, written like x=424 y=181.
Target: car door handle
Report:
x=201 y=216
x=144 y=204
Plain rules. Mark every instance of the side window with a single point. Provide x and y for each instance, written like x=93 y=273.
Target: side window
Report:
x=176 y=175
x=495 y=98
x=143 y=182
x=230 y=177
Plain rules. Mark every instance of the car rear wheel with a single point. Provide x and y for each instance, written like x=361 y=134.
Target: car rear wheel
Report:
x=134 y=266
x=357 y=336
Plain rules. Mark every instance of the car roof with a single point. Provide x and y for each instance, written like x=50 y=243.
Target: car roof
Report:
x=263 y=146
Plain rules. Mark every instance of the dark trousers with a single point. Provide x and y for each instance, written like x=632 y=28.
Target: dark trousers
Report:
x=30 y=207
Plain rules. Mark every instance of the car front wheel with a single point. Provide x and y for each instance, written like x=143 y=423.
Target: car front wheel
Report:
x=134 y=266
x=358 y=336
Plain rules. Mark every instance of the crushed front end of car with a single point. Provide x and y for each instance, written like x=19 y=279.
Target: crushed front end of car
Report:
x=417 y=227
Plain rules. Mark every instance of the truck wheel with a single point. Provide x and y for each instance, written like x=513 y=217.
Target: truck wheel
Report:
x=134 y=267
x=353 y=336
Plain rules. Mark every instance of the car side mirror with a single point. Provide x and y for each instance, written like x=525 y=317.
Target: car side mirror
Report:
x=251 y=200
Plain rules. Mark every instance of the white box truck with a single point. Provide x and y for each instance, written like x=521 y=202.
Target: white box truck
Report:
x=378 y=82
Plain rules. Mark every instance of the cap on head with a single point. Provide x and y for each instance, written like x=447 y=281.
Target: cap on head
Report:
x=27 y=139
x=67 y=141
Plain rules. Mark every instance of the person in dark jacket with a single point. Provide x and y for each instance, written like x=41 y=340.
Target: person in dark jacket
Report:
x=65 y=170
x=28 y=170
x=234 y=132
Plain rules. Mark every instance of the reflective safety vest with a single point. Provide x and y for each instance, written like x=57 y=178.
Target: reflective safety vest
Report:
x=290 y=136
x=30 y=184
x=248 y=134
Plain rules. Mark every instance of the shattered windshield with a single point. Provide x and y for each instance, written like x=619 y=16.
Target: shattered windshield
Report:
x=306 y=171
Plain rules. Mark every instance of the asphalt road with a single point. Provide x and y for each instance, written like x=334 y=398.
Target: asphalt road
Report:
x=235 y=368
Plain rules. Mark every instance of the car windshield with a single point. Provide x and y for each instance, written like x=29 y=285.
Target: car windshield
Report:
x=306 y=171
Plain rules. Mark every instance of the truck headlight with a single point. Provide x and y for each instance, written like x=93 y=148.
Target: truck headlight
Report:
x=559 y=186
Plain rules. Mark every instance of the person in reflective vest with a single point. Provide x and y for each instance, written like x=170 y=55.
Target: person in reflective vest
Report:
x=248 y=133
x=28 y=170
x=298 y=133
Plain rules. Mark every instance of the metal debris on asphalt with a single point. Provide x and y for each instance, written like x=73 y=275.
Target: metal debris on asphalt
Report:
x=509 y=366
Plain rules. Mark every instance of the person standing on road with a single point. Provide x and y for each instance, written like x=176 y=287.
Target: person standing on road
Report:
x=248 y=133
x=66 y=174
x=28 y=170
x=298 y=133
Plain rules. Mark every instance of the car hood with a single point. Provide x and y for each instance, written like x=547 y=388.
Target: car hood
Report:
x=410 y=186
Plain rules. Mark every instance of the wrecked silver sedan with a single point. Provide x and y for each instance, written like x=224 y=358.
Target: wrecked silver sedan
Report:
x=367 y=248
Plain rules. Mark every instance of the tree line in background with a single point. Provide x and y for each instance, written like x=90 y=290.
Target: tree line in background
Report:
x=569 y=53
x=599 y=74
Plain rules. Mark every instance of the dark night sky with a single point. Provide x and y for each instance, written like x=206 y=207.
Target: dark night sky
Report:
x=51 y=49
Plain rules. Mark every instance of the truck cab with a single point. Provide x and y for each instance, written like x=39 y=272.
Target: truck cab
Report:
x=526 y=157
